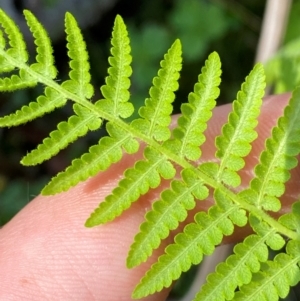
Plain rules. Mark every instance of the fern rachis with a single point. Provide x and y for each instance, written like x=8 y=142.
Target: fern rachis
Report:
x=166 y=151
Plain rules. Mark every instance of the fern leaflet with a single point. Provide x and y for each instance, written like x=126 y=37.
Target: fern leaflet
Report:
x=165 y=215
x=137 y=181
x=117 y=83
x=109 y=149
x=188 y=135
x=275 y=278
x=157 y=110
x=44 y=58
x=238 y=268
x=198 y=239
x=77 y=125
x=238 y=133
x=276 y=161
x=15 y=56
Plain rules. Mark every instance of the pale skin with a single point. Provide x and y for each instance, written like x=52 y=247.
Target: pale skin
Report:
x=46 y=253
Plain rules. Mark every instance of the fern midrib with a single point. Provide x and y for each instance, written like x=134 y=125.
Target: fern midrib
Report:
x=149 y=141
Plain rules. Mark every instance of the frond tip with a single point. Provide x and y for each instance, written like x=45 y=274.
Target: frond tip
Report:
x=195 y=114
x=80 y=77
x=44 y=59
x=156 y=112
x=116 y=89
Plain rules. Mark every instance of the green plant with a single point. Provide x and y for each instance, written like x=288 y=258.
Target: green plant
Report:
x=248 y=274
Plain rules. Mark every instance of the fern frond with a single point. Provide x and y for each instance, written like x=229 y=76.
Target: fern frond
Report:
x=44 y=59
x=238 y=132
x=146 y=174
x=17 y=82
x=158 y=107
x=247 y=274
x=115 y=91
x=149 y=171
x=109 y=149
x=44 y=104
x=5 y=65
x=291 y=220
x=275 y=278
x=67 y=132
x=277 y=159
x=15 y=56
x=80 y=77
x=236 y=271
x=165 y=215
x=197 y=239
x=275 y=241
x=195 y=114
x=17 y=50
x=239 y=267
x=98 y=158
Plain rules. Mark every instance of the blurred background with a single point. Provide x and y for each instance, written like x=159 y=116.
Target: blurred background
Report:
x=232 y=28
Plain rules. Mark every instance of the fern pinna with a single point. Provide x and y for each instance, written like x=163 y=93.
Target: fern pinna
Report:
x=249 y=273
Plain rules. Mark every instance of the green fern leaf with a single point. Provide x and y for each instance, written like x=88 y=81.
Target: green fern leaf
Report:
x=44 y=104
x=275 y=241
x=115 y=91
x=236 y=271
x=44 y=58
x=195 y=114
x=238 y=133
x=109 y=149
x=291 y=220
x=278 y=158
x=165 y=215
x=275 y=278
x=16 y=82
x=99 y=157
x=17 y=50
x=15 y=56
x=146 y=174
x=67 y=132
x=80 y=77
x=197 y=239
x=247 y=274
x=5 y=65
x=239 y=267
x=158 y=107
